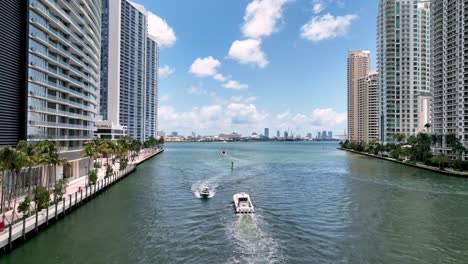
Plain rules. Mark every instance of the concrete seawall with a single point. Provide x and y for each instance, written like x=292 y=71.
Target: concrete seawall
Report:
x=20 y=232
x=419 y=166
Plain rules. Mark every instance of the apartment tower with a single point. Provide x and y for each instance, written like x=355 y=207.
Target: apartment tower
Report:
x=450 y=102
x=63 y=76
x=358 y=66
x=129 y=69
x=403 y=61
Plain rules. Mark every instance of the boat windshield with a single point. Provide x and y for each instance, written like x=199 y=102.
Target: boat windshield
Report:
x=243 y=199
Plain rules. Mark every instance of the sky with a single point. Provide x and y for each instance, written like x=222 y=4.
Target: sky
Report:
x=244 y=65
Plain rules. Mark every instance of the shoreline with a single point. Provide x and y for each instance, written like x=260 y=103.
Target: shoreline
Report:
x=19 y=233
x=418 y=166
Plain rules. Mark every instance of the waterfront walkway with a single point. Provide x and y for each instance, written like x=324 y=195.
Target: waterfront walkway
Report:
x=76 y=193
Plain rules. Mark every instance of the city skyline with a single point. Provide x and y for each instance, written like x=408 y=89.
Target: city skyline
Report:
x=235 y=70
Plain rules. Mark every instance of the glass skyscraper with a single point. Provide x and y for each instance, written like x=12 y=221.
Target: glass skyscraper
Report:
x=403 y=61
x=129 y=69
x=63 y=75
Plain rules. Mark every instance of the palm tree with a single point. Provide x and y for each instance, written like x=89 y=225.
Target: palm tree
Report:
x=427 y=126
x=51 y=157
x=399 y=137
x=89 y=152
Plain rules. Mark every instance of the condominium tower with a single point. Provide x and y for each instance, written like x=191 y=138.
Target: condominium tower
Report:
x=449 y=44
x=129 y=69
x=403 y=59
x=63 y=76
x=358 y=67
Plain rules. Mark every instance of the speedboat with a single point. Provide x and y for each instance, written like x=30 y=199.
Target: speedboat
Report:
x=223 y=153
x=243 y=204
x=205 y=192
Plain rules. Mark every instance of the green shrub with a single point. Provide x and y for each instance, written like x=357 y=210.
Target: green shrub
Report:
x=97 y=165
x=109 y=171
x=92 y=177
x=23 y=207
x=41 y=197
x=123 y=165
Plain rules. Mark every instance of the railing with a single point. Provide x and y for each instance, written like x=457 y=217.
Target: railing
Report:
x=57 y=210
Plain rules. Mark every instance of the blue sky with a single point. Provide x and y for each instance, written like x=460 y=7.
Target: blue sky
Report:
x=242 y=65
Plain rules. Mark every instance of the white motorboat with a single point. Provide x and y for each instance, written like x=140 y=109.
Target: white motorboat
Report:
x=223 y=153
x=205 y=192
x=243 y=204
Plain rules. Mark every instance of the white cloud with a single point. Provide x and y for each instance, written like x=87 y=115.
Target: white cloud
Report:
x=219 y=77
x=205 y=67
x=245 y=114
x=235 y=85
x=160 y=31
x=165 y=98
x=196 y=90
x=261 y=17
x=326 y=27
x=248 y=52
x=318 y=7
x=238 y=99
x=165 y=71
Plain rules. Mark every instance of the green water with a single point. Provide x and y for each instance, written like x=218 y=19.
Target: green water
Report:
x=314 y=204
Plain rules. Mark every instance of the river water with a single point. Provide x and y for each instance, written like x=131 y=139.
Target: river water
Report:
x=314 y=204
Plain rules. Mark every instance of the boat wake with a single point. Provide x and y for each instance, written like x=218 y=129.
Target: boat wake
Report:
x=210 y=183
x=252 y=244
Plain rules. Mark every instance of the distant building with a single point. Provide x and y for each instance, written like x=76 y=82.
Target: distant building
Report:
x=309 y=135
x=174 y=134
x=267 y=132
x=324 y=135
x=319 y=135
x=194 y=134
x=330 y=135
x=285 y=135
x=230 y=137
x=358 y=68
x=278 y=134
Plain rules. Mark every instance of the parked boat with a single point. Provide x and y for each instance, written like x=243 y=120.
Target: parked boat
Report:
x=243 y=204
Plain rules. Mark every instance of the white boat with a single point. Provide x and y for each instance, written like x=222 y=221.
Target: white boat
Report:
x=223 y=153
x=205 y=192
x=243 y=204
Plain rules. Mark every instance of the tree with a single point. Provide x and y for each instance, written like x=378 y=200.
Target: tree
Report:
x=60 y=189
x=42 y=197
x=440 y=160
x=90 y=152
x=427 y=126
x=399 y=137
x=24 y=207
x=92 y=177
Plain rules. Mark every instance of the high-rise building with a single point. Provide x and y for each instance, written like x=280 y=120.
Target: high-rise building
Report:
x=151 y=96
x=309 y=135
x=278 y=135
x=403 y=55
x=319 y=135
x=285 y=135
x=330 y=135
x=373 y=106
x=63 y=76
x=449 y=108
x=267 y=132
x=324 y=135
x=13 y=71
x=129 y=69
x=358 y=68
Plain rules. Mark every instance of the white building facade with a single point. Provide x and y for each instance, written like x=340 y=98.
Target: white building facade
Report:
x=63 y=76
x=449 y=44
x=129 y=69
x=403 y=62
